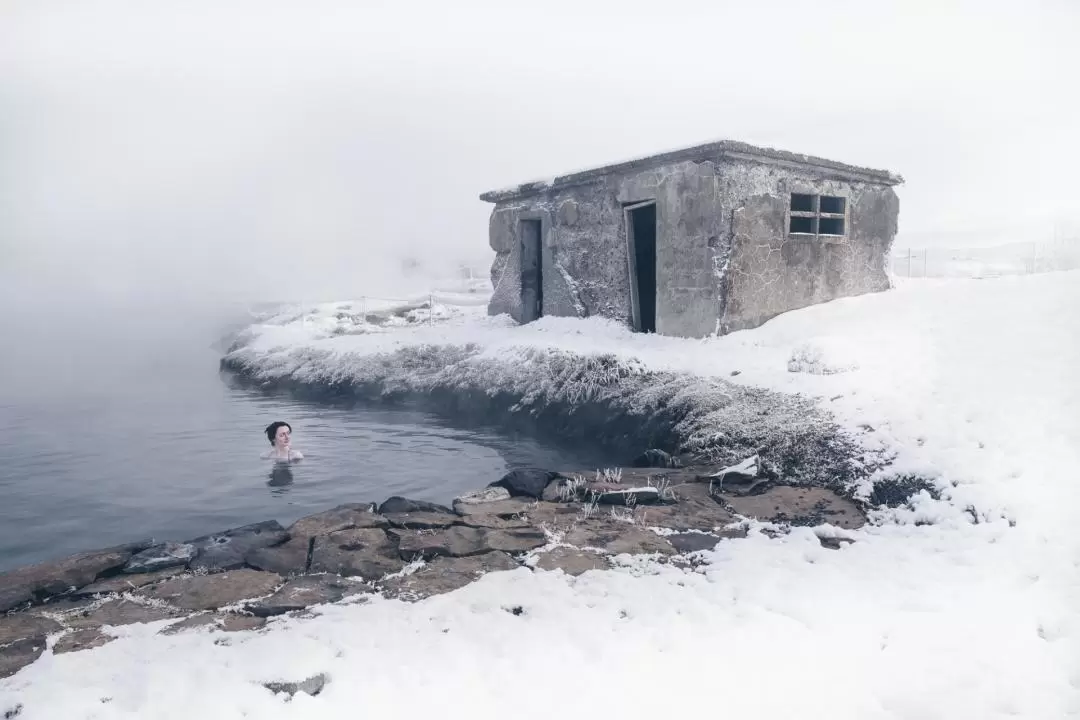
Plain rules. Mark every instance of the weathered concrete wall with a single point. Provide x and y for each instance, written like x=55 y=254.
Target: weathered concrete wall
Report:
x=585 y=267
x=725 y=260
x=770 y=272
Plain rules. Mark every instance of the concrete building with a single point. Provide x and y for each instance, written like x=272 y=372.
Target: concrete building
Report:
x=709 y=239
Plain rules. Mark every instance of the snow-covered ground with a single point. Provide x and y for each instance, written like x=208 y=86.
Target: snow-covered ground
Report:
x=967 y=607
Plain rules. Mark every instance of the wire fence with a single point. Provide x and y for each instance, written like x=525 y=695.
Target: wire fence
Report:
x=1011 y=259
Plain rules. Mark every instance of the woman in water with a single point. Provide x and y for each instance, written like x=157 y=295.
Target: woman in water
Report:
x=280 y=436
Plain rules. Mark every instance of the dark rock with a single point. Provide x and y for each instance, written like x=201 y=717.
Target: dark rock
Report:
x=226 y=550
x=116 y=612
x=37 y=582
x=615 y=537
x=288 y=558
x=161 y=557
x=527 y=482
x=495 y=522
x=692 y=542
x=571 y=561
x=209 y=592
x=312 y=686
x=558 y=490
x=398 y=504
x=746 y=472
x=227 y=622
x=343 y=517
x=422 y=520
x=461 y=541
x=303 y=592
x=446 y=574
x=20 y=626
x=471 y=502
x=834 y=543
x=627 y=496
x=19 y=654
x=14 y=711
x=655 y=458
x=81 y=640
x=125 y=583
x=507 y=508
x=365 y=552
x=803 y=506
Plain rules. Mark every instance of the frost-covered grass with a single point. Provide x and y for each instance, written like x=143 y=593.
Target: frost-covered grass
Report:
x=974 y=615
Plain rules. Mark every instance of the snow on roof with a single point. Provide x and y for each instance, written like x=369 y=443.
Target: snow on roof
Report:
x=716 y=150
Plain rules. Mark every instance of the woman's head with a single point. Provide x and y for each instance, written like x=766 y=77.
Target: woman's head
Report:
x=279 y=433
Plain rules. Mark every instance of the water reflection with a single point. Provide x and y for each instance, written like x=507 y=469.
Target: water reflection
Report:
x=281 y=477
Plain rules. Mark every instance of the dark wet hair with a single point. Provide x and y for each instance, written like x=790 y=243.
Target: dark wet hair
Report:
x=272 y=428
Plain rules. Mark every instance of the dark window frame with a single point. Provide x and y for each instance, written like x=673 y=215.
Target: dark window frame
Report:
x=809 y=221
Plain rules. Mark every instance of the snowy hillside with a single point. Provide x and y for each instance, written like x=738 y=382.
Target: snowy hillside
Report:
x=960 y=608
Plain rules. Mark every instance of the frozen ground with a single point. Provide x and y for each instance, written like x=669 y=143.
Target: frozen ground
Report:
x=960 y=608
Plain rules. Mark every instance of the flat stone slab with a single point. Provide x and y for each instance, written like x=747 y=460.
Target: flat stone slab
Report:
x=19 y=654
x=21 y=626
x=226 y=550
x=471 y=502
x=446 y=574
x=116 y=612
x=421 y=520
x=365 y=552
x=462 y=541
x=693 y=509
x=510 y=507
x=126 y=583
x=625 y=495
x=161 y=557
x=226 y=622
x=303 y=592
x=36 y=582
x=571 y=560
x=615 y=537
x=209 y=592
x=804 y=506
x=288 y=558
x=495 y=522
x=343 y=517
x=81 y=640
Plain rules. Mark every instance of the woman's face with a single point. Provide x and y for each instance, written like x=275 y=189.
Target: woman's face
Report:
x=283 y=436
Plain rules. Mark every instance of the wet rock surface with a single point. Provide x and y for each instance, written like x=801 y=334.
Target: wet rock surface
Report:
x=161 y=557
x=803 y=506
x=126 y=582
x=227 y=550
x=288 y=558
x=34 y=582
x=343 y=517
x=21 y=626
x=398 y=504
x=117 y=612
x=225 y=622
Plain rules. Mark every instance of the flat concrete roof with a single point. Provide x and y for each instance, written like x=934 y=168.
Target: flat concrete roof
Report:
x=718 y=151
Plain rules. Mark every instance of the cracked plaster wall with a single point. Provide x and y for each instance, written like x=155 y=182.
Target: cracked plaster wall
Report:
x=584 y=259
x=770 y=272
x=724 y=259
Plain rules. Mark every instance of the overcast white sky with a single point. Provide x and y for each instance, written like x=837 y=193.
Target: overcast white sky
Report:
x=222 y=148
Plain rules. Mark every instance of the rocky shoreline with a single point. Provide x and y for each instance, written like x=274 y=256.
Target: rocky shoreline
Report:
x=403 y=549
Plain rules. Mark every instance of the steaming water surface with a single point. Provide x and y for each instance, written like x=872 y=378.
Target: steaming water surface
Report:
x=108 y=438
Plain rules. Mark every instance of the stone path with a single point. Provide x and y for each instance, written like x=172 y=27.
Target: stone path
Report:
x=236 y=579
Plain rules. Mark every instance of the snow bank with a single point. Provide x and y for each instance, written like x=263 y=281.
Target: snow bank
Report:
x=972 y=616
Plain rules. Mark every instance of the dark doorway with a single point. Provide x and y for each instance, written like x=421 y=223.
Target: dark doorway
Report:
x=532 y=278
x=641 y=249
